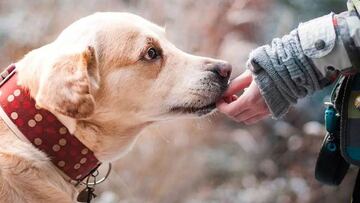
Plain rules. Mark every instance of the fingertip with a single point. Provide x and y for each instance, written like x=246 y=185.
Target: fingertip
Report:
x=227 y=99
x=234 y=98
x=239 y=83
x=221 y=104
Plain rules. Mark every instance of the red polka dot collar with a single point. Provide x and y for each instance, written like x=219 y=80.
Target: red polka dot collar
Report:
x=43 y=129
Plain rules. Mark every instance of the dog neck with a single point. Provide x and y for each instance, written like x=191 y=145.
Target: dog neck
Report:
x=41 y=128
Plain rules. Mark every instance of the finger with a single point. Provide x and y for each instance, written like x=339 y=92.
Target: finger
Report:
x=245 y=115
x=224 y=107
x=234 y=108
x=256 y=118
x=233 y=98
x=239 y=83
x=221 y=105
x=239 y=104
x=230 y=99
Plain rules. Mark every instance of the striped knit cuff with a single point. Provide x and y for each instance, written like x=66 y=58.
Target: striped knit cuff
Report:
x=277 y=104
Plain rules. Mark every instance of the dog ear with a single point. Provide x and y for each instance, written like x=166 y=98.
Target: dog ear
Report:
x=69 y=84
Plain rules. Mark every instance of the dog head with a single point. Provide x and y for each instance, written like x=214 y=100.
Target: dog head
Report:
x=117 y=71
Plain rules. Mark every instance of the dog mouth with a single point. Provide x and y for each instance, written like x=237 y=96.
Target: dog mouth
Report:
x=200 y=111
x=205 y=105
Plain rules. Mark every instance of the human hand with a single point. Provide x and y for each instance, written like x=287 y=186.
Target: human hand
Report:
x=250 y=107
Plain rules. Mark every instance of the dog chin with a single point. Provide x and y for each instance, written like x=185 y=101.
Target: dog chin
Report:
x=198 y=110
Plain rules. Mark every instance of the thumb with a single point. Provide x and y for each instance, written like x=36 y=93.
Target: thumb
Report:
x=239 y=83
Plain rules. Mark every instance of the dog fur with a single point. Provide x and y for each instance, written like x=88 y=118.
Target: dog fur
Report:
x=97 y=78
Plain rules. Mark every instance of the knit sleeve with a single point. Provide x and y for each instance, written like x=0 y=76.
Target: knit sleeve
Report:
x=283 y=73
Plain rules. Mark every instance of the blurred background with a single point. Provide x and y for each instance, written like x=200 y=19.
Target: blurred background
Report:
x=214 y=159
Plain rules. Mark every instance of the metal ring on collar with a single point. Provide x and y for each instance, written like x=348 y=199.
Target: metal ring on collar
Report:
x=96 y=182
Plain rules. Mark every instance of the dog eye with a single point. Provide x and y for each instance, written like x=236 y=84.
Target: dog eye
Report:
x=152 y=54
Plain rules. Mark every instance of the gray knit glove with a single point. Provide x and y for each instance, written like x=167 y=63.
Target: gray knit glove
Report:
x=283 y=73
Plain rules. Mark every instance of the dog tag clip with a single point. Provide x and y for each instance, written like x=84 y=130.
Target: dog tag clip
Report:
x=86 y=195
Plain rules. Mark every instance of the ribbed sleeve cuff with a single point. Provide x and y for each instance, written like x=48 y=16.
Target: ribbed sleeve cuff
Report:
x=277 y=104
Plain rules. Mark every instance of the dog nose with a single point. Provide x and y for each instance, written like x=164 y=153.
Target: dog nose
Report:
x=223 y=69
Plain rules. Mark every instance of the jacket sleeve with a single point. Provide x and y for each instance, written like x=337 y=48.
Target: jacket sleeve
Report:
x=306 y=60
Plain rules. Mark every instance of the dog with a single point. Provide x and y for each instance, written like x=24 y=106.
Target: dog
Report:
x=105 y=78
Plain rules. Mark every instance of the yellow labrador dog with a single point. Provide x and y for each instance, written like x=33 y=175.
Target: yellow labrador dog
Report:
x=106 y=77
